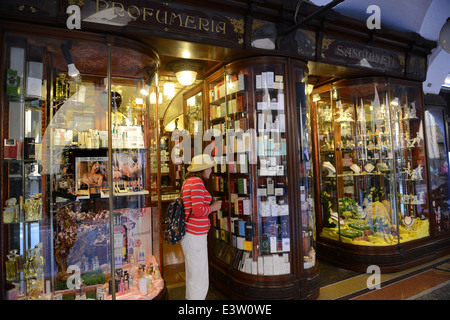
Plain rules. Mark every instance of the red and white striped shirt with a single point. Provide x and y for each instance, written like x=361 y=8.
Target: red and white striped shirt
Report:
x=196 y=197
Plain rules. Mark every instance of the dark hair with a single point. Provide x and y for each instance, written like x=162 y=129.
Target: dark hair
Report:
x=198 y=174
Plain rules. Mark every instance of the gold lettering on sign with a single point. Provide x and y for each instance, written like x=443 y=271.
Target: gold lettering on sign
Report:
x=147 y=12
x=118 y=8
x=203 y=24
x=220 y=27
x=190 y=22
x=135 y=9
x=164 y=19
x=170 y=18
x=176 y=16
x=374 y=57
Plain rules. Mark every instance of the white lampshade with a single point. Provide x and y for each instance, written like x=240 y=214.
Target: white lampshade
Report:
x=444 y=36
x=186 y=77
x=73 y=71
x=185 y=70
x=144 y=90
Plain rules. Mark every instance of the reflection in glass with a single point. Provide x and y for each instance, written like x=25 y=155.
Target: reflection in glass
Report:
x=438 y=163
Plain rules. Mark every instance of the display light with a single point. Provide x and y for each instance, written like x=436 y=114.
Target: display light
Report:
x=73 y=71
x=185 y=70
x=144 y=90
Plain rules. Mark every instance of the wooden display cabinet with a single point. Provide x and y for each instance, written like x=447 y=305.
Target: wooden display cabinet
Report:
x=262 y=241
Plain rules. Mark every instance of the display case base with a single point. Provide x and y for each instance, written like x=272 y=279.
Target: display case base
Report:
x=389 y=259
x=237 y=285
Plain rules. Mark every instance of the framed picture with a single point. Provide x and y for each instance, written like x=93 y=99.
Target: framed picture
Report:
x=91 y=175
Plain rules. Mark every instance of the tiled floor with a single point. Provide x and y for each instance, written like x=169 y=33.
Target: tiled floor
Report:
x=427 y=281
x=430 y=281
x=175 y=281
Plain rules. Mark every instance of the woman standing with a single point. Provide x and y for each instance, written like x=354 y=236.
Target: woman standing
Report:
x=194 y=243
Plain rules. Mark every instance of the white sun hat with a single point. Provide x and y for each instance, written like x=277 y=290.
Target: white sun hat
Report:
x=200 y=163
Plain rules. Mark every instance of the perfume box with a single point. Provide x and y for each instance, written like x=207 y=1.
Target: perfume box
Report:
x=10 y=148
x=241 y=224
x=240 y=243
x=242 y=82
x=247 y=245
x=249 y=230
x=29 y=148
x=12 y=82
x=34 y=79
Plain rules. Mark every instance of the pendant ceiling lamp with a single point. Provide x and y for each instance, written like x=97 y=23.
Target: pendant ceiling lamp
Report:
x=185 y=70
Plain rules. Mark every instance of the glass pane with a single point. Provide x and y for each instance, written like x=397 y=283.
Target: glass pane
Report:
x=135 y=217
x=271 y=158
x=327 y=162
x=75 y=158
x=248 y=121
x=438 y=163
x=410 y=159
x=306 y=171
x=357 y=171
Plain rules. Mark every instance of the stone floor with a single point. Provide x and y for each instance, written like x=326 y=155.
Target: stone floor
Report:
x=430 y=281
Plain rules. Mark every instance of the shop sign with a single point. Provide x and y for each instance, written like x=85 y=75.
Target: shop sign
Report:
x=165 y=16
x=301 y=42
x=334 y=50
x=416 y=67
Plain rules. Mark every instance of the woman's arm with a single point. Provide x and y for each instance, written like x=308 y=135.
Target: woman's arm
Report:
x=199 y=208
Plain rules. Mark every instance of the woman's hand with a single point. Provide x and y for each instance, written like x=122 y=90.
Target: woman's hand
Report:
x=216 y=205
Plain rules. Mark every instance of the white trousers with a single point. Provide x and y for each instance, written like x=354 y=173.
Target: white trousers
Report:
x=195 y=249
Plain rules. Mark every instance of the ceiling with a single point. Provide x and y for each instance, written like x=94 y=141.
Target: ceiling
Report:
x=425 y=17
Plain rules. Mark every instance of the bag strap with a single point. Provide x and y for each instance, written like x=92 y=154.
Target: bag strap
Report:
x=181 y=199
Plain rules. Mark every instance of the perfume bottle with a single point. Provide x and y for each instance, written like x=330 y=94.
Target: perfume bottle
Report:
x=12 y=266
x=39 y=261
x=29 y=269
x=121 y=286
x=156 y=273
x=126 y=277
x=149 y=284
x=61 y=87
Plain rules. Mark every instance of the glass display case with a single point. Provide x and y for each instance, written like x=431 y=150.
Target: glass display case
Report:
x=77 y=176
x=263 y=187
x=373 y=177
x=374 y=199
